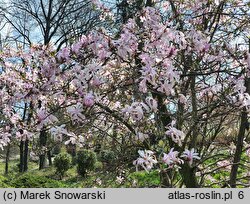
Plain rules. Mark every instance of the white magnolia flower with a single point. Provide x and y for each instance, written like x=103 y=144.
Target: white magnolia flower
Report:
x=152 y=103
x=171 y=158
x=135 y=111
x=176 y=135
x=119 y=179
x=146 y=160
x=89 y=100
x=190 y=155
x=141 y=136
x=75 y=112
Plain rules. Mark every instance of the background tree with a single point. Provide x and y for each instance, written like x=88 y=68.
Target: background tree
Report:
x=170 y=83
x=52 y=21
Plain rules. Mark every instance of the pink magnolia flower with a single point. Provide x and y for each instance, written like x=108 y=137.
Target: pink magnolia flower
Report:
x=135 y=111
x=63 y=54
x=15 y=118
x=127 y=44
x=143 y=86
x=96 y=82
x=199 y=41
x=206 y=47
x=58 y=131
x=146 y=59
x=166 y=88
x=190 y=155
x=23 y=135
x=149 y=73
x=171 y=158
x=176 y=135
x=152 y=103
x=141 y=136
x=88 y=100
x=76 y=47
x=71 y=140
x=240 y=85
x=103 y=54
x=75 y=112
x=44 y=118
x=146 y=160
x=41 y=115
x=4 y=139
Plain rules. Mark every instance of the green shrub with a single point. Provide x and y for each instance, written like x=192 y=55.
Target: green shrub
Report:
x=29 y=180
x=62 y=163
x=86 y=160
x=98 y=166
x=4 y=182
x=107 y=156
x=74 y=161
x=56 y=149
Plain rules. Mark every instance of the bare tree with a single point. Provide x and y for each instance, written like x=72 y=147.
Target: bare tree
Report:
x=50 y=21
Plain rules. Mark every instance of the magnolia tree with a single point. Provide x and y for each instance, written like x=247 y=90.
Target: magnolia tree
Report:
x=170 y=85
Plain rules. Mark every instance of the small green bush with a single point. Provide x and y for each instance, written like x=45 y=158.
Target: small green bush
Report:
x=98 y=166
x=107 y=156
x=62 y=163
x=4 y=182
x=56 y=149
x=29 y=180
x=74 y=161
x=86 y=160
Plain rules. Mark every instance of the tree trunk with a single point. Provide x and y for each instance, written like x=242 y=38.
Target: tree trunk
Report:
x=21 y=156
x=188 y=175
x=7 y=159
x=195 y=131
x=25 y=156
x=43 y=141
x=41 y=161
x=26 y=147
x=239 y=145
x=49 y=158
x=164 y=177
x=238 y=151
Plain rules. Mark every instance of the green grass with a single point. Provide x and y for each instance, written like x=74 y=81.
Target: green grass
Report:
x=100 y=177
x=48 y=177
